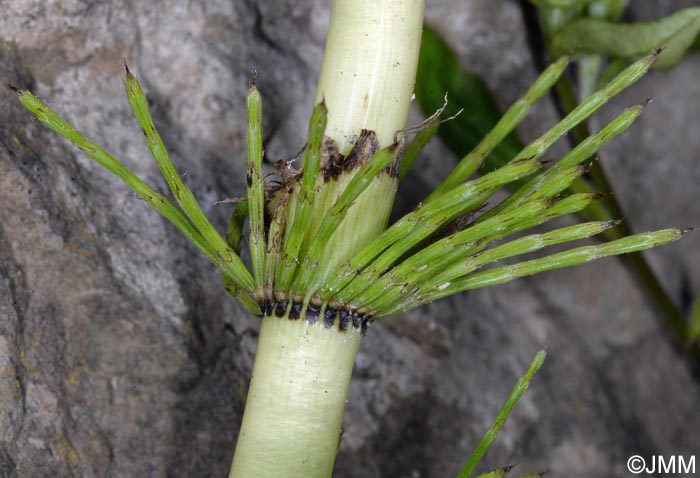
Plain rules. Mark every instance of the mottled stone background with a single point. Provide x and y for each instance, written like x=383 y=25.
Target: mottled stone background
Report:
x=122 y=356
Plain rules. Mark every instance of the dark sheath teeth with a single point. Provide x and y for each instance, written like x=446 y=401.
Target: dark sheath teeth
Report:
x=346 y=318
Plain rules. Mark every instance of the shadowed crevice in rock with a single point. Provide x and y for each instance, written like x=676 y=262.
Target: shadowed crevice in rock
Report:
x=626 y=428
x=406 y=439
x=14 y=307
x=7 y=466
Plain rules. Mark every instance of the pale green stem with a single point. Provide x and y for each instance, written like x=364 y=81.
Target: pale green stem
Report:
x=357 y=185
x=369 y=67
x=296 y=399
x=291 y=424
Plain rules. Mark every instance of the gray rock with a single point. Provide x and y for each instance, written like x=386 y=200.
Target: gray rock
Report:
x=120 y=353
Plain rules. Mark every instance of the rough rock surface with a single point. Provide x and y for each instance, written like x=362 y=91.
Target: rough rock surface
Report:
x=122 y=356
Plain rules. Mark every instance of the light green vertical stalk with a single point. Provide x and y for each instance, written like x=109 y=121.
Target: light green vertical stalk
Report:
x=291 y=427
x=369 y=67
x=274 y=243
x=366 y=82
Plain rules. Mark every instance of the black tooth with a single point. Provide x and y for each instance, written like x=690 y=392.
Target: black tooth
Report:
x=329 y=317
x=295 y=311
x=281 y=308
x=366 y=321
x=266 y=306
x=312 y=314
x=344 y=320
x=356 y=320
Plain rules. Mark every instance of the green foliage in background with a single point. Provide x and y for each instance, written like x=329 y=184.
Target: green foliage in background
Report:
x=602 y=49
x=629 y=41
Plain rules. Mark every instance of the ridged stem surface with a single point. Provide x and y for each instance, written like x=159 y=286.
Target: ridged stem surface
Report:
x=296 y=399
x=369 y=67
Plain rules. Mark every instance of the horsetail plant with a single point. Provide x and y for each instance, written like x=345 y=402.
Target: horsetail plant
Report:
x=324 y=262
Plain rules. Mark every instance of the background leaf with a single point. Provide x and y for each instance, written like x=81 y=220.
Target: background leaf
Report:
x=607 y=9
x=439 y=71
x=560 y=3
x=694 y=327
x=676 y=33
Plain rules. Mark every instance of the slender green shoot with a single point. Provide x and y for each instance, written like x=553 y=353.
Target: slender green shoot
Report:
x=299 y=227
x=491 y=434
x=610 y=208
x=416 y=226
x=523 y=245
x=182 y=194
x=505 y=471
x=255 y=181
x=234 y=234
x=394 y=293
x=573 y=257
x=497 y=473
x=626 y=78
x=538 y=147
x=162 y=204
x=440 y=254
x=244 y=296
x=234 y=238
x=515 y=114
x=275 y=239
x=535 y=187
